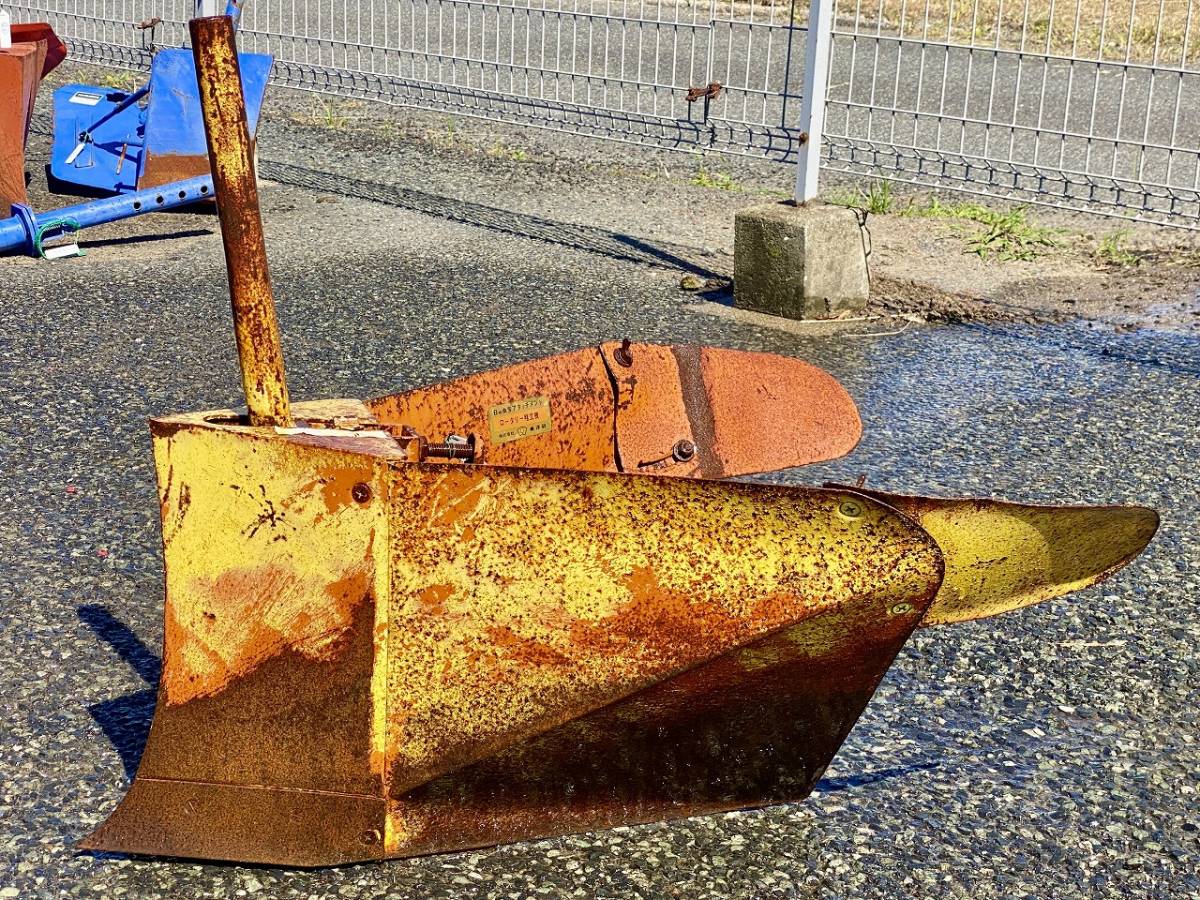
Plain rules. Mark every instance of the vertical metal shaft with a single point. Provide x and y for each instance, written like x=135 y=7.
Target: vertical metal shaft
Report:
x=229 y=151
x=812 y=107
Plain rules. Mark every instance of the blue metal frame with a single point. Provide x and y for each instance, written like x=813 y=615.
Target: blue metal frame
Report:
x=26 y=231
x=103 y=138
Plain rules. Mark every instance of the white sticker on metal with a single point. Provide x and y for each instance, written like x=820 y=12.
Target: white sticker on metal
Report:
x=86 y=98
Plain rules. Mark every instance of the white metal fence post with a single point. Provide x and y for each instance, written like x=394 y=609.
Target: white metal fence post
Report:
x=209 y=8
x=812 y=107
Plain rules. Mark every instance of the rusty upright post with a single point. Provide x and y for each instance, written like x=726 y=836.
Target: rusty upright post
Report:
x=259 y=350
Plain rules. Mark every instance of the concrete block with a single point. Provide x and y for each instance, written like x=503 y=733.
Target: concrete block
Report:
x=802 y=262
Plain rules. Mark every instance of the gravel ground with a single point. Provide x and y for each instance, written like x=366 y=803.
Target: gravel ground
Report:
x=1051 y=752
x=534 y=181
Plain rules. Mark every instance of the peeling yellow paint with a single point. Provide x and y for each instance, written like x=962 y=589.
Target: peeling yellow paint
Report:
x=521 y=598
x=260 y=556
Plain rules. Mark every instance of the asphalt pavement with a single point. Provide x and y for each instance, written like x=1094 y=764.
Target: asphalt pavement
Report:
x=1049 y=752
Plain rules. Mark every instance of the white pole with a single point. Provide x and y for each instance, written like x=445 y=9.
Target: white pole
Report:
x=812 y=108
x=209 y=8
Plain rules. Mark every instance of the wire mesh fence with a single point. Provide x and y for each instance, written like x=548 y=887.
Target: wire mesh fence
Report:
x=1086 y=104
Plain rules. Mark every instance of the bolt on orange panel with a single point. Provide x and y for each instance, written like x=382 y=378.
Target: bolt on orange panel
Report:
x=554 y=413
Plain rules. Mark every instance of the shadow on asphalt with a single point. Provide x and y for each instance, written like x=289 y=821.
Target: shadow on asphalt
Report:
x=145 y=238
x=125 y=720
x=588 y=238
x=833 y=785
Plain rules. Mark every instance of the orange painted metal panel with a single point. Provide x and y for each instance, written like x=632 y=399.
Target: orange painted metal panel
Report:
x=647 y=408
x=576 y=387
x=20 y=74
x=33 y=32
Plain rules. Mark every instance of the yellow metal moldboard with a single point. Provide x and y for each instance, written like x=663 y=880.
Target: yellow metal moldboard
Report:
x=1002 y=556
x=366 y=656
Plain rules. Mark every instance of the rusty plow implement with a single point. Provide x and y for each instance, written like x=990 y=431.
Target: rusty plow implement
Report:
x=526 y=602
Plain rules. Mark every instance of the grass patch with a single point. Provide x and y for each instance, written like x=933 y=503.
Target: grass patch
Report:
x=1107 y=29
x=324 y=112
x=1009 y=235
x=711 y=178
x=1113 y=252
x=119 y=81
x=877 y=199
x=501 y=150
x=1002 y=234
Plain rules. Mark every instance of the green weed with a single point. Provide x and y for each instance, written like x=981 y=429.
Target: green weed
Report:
x=1112 y=252
x=1005 y=234
x=500 y=150
x=877 y=199
x=119 y=81
x=1009 y=235
x=324 y=112
x=711 y=178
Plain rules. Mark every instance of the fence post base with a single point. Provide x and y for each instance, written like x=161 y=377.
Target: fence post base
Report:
x=802 y=262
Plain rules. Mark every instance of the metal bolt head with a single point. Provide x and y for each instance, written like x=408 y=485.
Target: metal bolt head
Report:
x=900 y=609
x=371 y=836
x=622 y=354
x=683 y=450
x=361 y=492
x=851 y=509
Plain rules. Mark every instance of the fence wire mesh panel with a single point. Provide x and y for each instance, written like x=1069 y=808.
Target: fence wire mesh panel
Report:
x=119 y=33
x=636 y=70
x=1087 y=104
x=1084 y=104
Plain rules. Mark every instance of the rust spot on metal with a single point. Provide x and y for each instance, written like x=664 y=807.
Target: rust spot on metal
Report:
x=165 y=168
x=434 y=597
x=710 y=91
x=338 y=488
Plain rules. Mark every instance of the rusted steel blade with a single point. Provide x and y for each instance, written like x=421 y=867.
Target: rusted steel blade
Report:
x=375 y=636
x=1002 y=556
x=754 y=726
x=623 y=407
x=236 y=191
